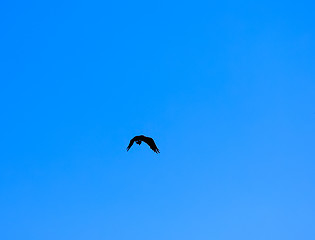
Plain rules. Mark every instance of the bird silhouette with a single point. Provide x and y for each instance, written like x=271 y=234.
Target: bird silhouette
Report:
x=147 y=140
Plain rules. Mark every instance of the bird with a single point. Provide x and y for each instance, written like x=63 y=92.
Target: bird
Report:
x=147 y=140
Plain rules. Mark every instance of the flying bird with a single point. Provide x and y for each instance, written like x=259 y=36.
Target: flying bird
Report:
x=147 y=140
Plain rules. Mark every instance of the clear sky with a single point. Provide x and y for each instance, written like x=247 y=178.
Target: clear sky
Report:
x=226 y=89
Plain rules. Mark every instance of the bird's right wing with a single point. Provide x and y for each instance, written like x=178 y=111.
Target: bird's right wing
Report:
x=152 y=145
x=130 y=144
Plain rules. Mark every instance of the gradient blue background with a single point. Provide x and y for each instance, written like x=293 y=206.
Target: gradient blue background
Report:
x=225 y=88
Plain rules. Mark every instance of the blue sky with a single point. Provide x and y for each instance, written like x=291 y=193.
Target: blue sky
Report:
x=225 y=88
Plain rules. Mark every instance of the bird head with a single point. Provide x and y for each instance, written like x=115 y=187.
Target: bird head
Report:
x=138 y=142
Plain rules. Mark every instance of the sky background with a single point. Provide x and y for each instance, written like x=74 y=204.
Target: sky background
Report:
x=225 y=88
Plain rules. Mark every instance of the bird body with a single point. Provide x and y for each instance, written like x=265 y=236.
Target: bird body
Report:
x=147 y=140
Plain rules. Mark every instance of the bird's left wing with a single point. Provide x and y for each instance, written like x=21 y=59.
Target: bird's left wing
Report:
x=130 y=144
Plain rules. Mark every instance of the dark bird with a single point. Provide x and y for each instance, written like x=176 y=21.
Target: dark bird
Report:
x=147 y=140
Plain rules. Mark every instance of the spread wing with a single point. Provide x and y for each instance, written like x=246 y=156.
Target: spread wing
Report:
x=152 y=144
x=130 y=144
